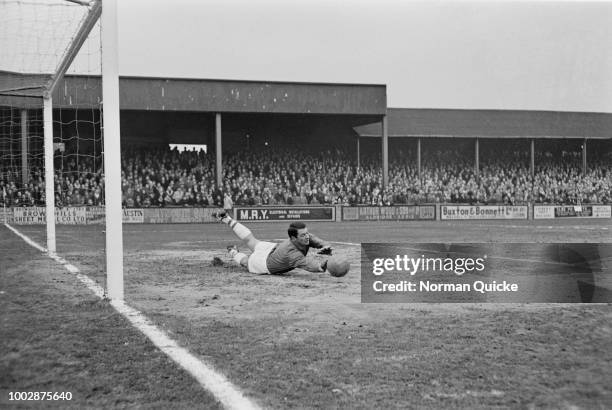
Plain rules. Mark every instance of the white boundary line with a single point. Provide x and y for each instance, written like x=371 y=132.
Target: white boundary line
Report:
x=217 y=384
x=26 y=239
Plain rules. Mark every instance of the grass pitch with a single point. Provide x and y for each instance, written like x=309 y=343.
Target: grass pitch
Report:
x=58 y=337
x=301 y=340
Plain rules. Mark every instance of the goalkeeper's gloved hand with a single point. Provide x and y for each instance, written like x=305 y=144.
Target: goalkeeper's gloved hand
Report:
x=326 y=250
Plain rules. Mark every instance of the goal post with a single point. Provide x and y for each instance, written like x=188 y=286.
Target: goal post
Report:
x=49 y=82
x=49 y=173
x=112 y=151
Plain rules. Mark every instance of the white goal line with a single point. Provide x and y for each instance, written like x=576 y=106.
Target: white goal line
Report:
x=215 y=383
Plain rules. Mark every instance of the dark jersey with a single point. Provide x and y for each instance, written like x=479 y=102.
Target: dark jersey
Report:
x=286 y=256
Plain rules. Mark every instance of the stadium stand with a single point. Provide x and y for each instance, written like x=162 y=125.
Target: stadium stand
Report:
x=160 y=177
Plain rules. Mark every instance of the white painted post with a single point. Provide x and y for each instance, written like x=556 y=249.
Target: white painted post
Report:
x=112 y=151
x=49 y=174
x=25 y=169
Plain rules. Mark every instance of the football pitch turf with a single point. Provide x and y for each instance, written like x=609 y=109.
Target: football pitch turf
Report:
x=301 y=340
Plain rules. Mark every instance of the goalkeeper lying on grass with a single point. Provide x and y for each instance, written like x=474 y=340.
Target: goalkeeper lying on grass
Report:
x=277 y=258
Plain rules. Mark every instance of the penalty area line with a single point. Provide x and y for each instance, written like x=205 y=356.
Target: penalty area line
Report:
x=212 y=381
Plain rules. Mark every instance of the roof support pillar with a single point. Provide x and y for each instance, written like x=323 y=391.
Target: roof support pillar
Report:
x=477 y=157
x=358 y=152
x=24 y=148
x=385 y=151
x=584 y=157
x=419 y=160
x=219 y=151
x=532 y=163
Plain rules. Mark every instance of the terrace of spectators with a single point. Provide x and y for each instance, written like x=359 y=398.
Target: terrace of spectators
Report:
x=160 y=177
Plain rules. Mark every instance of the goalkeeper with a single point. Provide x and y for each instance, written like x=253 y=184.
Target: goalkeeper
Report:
x=277 y=258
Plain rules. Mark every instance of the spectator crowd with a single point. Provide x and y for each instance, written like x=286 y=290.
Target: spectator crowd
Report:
x=160 y=177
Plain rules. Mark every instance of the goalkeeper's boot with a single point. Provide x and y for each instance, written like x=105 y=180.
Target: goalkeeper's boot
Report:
x=219 y=215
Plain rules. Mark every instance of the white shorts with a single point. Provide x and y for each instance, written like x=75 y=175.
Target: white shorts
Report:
x=257 y=260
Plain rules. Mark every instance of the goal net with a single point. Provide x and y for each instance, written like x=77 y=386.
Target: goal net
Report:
x=51 y=117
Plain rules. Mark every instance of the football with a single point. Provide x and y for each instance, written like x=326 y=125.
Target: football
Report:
x=338 y=265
